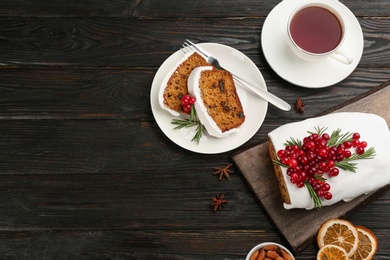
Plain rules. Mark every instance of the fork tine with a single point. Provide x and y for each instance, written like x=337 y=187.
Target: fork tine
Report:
x=188 y=46
x=185 y=45
x=183 y=49
x=186 y=49
x=193 y=46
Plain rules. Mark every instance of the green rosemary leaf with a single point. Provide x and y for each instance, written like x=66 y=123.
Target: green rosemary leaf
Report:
x=322 y=130
x=319 y=130
x=278 y=162
x=368 y=154
x=293 y=142
x=319 y=177
x=345 y=137
x=193 y=121
x=313 y=195
x=199 y=133
x=183 y=123
x=193 y=117
x=352 y=167
x=336 y=138
x=347 y=166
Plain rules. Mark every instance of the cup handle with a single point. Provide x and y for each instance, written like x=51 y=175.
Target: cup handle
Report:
x=342 y=57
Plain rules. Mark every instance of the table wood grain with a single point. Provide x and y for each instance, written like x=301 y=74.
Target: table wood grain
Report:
x=85 y=171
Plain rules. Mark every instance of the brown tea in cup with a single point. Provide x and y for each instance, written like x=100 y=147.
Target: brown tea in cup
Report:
x=316 y=30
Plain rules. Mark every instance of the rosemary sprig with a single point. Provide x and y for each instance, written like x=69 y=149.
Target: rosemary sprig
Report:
x=348 y=166
x=336 y=138
x=193 y=121
x=369 y=154
x=313 y=195
x=278 y=162
x=319 y=130
x=319 y=177
x=293 y=142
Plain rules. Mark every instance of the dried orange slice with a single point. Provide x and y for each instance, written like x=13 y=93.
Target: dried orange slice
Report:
x=368 y=244
x=339 y=232
x=332 y=252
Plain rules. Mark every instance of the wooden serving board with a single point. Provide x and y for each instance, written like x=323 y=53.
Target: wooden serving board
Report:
x=300 y=226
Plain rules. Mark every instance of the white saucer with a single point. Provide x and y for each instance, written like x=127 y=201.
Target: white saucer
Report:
x=255 y=108
x=310 y=74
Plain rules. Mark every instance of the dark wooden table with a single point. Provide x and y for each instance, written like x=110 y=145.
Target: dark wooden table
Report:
x=85 y=171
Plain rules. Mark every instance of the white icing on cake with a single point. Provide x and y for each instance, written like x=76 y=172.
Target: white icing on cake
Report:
x=371 y=174
x=201 y=110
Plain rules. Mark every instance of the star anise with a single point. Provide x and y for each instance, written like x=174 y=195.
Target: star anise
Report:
x=218 y=202
x=223 y=171
x=299 y=105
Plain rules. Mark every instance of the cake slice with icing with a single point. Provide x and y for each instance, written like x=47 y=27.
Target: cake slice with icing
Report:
x=174 y=86
x=217 y=105
x=370 y=175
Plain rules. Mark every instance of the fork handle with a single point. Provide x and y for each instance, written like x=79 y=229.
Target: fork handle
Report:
x=271 y=98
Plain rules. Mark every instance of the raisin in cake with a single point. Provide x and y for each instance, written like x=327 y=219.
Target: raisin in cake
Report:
x=371 y=174
x=217 y=105
x=174 y=85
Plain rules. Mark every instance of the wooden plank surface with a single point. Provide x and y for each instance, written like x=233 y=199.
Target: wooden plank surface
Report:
x=85 y=171
x=300 y=226
x=166 y=8
x=141 y=43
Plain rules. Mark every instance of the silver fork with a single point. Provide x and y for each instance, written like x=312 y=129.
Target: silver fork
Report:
x=271 y=98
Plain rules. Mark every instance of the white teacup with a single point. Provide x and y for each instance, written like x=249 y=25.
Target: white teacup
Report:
x=316 y=31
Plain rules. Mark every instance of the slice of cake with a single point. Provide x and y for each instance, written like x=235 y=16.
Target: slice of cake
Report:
x=174 y=85
x=217 y=105
x=333 y=169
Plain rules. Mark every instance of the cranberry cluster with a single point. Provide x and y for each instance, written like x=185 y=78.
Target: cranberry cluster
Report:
x=307 y=162
x=186 y=103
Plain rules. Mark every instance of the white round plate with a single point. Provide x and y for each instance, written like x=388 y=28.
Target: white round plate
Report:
x=255 y=108
x=310 y=74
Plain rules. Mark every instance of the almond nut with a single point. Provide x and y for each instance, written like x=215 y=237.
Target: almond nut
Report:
x=272 y=254
x=286 y=255
x=254 y=255
x=261 y=255
x=270 y=248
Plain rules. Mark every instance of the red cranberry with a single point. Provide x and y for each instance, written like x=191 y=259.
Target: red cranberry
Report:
x=359 y=150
